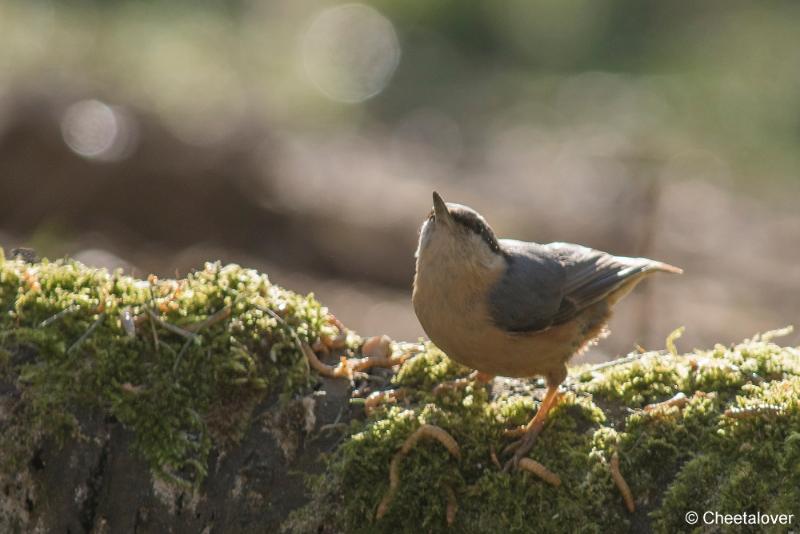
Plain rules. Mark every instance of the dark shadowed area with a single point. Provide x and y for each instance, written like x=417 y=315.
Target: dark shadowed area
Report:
x=304 y=139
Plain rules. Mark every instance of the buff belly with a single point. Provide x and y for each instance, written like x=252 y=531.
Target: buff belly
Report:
x=458 y=322
x=476 y=343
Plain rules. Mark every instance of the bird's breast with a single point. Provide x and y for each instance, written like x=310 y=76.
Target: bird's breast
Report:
x=452 y=307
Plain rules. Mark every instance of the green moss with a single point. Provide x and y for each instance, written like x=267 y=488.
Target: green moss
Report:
x=180 y=392
x=746 y=463
x=700 y=456
x=184 y=384
x=656 y=375
x=427 y=369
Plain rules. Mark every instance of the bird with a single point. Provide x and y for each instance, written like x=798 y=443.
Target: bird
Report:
x=504 y=307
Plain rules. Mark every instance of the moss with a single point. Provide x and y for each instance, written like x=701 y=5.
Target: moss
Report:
x=703 y=455
x=427 y=369
x=657 y=375
x=73 y=338
x=183 y=364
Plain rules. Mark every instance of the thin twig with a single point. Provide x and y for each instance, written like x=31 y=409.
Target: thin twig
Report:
x=169 y=326
x=153 y=322
x=219 y=315
x=298 y=343
x=191 y=331
x=284 y=323
x=63 y=313
x=184 y=348
x=92 y=328
x=305 y=349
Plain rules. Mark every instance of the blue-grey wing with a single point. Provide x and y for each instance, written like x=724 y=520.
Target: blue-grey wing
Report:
x=591 y=275
x=547 y=285
x=528 y=296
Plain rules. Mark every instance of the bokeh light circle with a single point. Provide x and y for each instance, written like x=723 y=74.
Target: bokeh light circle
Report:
x=350 y=52
x=97 y=131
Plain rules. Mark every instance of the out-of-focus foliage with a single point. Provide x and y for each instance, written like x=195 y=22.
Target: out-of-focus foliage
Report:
x=304 y=138
x=718 y=76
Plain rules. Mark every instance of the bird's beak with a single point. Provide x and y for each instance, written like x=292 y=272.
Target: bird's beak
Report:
x=440 y=208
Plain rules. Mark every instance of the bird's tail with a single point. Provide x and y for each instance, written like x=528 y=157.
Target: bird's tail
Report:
x=664 y=267
x=638 y=270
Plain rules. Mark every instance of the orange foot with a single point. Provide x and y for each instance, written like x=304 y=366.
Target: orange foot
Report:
x=531 y=431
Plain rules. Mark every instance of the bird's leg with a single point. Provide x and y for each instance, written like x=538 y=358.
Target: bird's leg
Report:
x=475 y=376
x=534 y=427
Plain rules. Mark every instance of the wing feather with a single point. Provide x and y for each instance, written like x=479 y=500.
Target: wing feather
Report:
x=547 y=285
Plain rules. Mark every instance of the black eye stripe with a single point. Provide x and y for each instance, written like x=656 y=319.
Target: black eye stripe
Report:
x=473 y=223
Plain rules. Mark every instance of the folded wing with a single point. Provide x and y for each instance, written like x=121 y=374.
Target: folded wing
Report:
x=547 y=285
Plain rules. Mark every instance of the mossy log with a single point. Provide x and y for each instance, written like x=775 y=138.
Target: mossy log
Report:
x=189 y=406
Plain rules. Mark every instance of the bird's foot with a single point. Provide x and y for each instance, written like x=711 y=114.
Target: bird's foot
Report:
x=522 y=447
x=460 y=383
x=521 y=461
x=530 y=432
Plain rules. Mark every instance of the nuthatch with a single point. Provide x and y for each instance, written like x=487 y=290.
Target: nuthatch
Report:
x=515 y=308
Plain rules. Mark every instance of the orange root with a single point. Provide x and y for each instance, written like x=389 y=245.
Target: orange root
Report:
x=459 y=383
x=435 y=432
x=377 y=349
x=425 y=431
x=493 y=456
x=680 y=400
x=540 y=471
x=340 y=371
x=452 y=505
x=361 y=364
x=381 y=397
x=753 y=411
x=624 y=489
x=394 y=482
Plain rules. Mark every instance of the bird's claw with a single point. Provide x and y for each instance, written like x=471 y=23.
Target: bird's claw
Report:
x=511 y=465
x=531 y=431
x=521 y=447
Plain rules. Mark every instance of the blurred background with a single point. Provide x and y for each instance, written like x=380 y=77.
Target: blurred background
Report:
x=303 y=138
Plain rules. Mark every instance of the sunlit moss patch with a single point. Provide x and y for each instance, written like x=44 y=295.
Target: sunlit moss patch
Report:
x=731 y=445
x=182 y=363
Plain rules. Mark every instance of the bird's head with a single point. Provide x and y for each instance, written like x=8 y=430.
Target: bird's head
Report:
x=458 y=231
